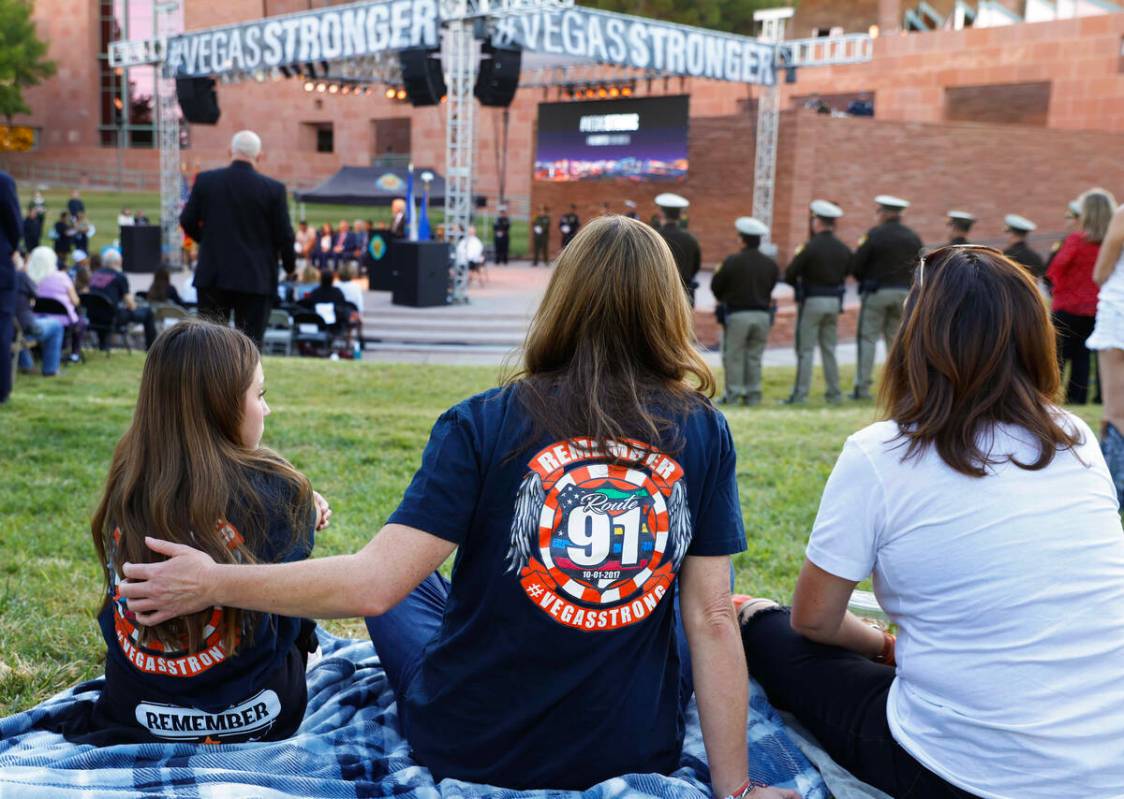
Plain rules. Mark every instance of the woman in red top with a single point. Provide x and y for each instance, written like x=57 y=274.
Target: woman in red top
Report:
x=1075 y=293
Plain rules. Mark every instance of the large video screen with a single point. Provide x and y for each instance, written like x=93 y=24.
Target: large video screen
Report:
x=636 y=139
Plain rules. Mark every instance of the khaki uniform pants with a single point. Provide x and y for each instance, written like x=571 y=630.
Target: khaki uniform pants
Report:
x=540 y=253
x=743 y=346
x=881 y=315
x=818 y=324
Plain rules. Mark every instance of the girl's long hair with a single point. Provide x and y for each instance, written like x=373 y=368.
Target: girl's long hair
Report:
x=975 y=349
x=181 y=468
x=611 y=350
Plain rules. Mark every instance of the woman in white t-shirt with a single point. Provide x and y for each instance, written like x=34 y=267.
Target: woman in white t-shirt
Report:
x=1108 y=340
x=990 y=524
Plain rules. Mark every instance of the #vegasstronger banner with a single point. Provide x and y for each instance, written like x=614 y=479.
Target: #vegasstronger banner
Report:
x=363 y=29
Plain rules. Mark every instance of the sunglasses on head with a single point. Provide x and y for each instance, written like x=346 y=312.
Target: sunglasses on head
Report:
x=946 y=249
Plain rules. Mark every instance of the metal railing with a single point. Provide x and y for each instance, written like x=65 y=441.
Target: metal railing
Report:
x=71 y=175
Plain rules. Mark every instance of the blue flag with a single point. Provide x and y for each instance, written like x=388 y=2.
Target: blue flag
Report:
x=411 y=216
x=424 y=231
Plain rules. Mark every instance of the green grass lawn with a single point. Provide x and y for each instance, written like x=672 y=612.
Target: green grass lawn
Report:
x=358 y=431
x=102 y=208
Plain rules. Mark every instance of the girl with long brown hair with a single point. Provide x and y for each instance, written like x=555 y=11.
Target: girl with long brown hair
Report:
x=191 y=469
x=989 y=522
x=580 y=497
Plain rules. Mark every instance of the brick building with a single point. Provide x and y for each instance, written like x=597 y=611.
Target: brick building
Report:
x=1018 y=118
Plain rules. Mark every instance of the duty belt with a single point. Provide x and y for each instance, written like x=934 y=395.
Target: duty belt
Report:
x=819 y=290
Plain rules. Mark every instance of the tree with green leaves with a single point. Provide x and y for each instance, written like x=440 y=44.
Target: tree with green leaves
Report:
x=734 y=16
x=23 y=57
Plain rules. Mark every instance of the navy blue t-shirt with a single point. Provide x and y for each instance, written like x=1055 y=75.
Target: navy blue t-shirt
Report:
x=556 y=662
x=211 y=678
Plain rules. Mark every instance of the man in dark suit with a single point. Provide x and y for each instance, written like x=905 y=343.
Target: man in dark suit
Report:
x=241 y=220
x=10 y=225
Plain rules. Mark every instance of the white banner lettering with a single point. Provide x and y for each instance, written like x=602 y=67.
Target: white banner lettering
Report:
x=363 y=29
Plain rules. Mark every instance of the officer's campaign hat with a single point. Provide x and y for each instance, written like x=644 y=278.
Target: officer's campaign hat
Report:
x=891 y=202
x=826 y=210
x=1019 y=224
x=669 y=200
x=961 y=216
x=748 y=226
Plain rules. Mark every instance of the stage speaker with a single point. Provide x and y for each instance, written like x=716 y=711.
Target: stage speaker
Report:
x=198 y=101
x=140 y=248
x=421 y=75
x=421 y=273
x=498 y=79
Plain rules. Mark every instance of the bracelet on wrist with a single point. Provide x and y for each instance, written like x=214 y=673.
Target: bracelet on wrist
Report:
x=887 y=655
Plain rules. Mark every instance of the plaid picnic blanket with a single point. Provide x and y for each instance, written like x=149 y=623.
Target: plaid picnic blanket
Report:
x=348 y=746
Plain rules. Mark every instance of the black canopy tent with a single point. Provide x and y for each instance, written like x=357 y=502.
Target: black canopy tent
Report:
x=375 y=185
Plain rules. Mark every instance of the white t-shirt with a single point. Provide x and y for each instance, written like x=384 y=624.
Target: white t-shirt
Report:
x=1009 y=594
x=352 y=293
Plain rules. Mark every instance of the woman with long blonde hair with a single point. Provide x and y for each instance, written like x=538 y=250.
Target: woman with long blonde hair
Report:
x=580 y=498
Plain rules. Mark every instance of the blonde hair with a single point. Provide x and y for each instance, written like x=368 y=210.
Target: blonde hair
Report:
x=42 y=261
x=611 y=350
x=1097 y=207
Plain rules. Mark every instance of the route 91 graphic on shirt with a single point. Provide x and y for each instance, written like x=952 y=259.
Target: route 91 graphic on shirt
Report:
x=597 y=544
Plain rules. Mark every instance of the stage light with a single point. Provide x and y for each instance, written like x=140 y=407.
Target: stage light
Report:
x=309 y=85
x=400 y=94
x=390 y=93
x=626 y=91
x=321 y=87
x=602 y=92
x=334 y=88
x=614 y=91
x=345 y=89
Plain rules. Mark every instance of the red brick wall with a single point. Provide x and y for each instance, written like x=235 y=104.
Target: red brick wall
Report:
x=1014 y=103
x=990 y=170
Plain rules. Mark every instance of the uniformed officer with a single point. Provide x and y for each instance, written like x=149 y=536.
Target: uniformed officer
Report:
x=568 y=224
x=1018 y=228
x=883 y=264
x=959 y=225
x=540 y=235
x=630 y=205
x=501 y=235
x=744 y=283
x=817 y=272
x=684 y=246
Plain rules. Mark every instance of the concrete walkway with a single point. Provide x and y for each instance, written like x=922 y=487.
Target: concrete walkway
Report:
x=491 y=327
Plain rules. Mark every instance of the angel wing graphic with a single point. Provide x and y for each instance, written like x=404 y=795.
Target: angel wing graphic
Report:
x=679 y=522
x=524 y=524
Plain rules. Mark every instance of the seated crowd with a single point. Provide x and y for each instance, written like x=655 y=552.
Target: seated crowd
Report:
x=598 y=480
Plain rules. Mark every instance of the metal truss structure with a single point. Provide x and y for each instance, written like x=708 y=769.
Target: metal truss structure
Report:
x=168 y=136
x=768 y=123
x=460 y=61
x=464 y=22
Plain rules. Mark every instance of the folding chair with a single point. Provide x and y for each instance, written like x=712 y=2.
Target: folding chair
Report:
x=49 y=307
x=278 y=337
x=167 y=314
x=310 y=333
x=102 y=316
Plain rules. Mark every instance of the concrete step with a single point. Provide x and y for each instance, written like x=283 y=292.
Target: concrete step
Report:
x=393 y=335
